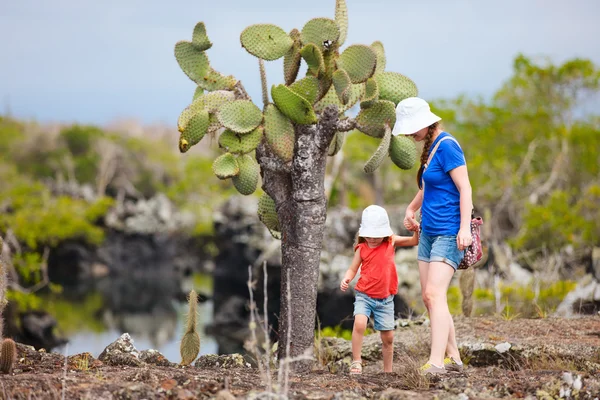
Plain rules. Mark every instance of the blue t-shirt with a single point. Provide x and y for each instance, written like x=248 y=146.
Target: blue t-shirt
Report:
x=440 y=211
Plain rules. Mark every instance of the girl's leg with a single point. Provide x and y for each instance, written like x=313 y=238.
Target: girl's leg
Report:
x=387 y=340
x=360 y=324
x=423 y=274
x=436 y=302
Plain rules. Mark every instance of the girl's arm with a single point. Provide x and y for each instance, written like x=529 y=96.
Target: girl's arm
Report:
x=460 y=176
x=406 y=241
x=351 y=273
x=410 y=220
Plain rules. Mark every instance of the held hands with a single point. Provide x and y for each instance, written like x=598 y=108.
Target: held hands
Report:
x=464 y=238
x=410 y=222
x=344 y=284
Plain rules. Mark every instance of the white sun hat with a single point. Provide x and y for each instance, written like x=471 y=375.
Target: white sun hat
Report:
x=375 y=223
x=412 y=115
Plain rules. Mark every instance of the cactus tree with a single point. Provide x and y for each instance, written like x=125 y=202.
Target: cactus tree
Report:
x=287 y=143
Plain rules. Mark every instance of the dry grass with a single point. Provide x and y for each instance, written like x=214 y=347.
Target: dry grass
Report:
x=410 y=378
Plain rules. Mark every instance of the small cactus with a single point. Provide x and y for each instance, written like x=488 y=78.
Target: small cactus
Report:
x=8 y=356
x=190 y=343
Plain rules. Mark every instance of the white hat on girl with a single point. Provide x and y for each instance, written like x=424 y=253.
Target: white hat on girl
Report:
x=412 y=115
x=375 y=223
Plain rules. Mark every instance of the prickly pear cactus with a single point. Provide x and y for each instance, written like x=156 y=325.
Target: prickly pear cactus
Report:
x=334 y=76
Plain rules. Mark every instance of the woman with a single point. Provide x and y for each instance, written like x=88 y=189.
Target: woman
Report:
x=444 y=198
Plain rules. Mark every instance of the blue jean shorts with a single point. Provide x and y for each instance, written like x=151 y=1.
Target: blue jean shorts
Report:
x=441 y=248
x=381 y=309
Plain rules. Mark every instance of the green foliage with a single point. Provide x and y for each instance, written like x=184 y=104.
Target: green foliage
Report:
x=73 y=317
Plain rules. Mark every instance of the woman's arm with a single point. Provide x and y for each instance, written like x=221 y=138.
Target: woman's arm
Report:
x=410 y=221
x=460 y=176
x=351 y=272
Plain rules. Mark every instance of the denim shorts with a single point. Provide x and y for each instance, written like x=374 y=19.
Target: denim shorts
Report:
x=382 y=310
x=442 y=248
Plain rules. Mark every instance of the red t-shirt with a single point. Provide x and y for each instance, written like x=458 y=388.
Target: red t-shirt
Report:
x=378 y=276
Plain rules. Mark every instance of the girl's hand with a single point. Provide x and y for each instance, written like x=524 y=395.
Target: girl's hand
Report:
x=344 y=284
x=464 y=239
x=410 y=222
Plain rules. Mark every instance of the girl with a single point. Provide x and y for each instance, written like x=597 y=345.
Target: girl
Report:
x=444 y=198
x=377 y=284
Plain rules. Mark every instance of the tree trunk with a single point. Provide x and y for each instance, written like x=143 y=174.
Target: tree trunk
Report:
x=299 y=194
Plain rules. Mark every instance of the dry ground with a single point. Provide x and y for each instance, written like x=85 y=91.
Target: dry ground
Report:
x=541 y=351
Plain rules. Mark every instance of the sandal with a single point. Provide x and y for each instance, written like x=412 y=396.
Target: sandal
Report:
x=356 y=368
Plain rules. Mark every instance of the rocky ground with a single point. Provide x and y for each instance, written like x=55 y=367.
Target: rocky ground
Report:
x=536 y=359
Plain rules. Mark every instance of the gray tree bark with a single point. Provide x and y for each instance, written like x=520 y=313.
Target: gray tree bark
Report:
x=299 y=194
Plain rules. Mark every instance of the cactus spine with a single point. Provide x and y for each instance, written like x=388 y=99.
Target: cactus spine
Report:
x=190 y=343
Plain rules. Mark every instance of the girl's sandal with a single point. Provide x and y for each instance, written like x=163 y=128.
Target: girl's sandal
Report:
x=356 y=368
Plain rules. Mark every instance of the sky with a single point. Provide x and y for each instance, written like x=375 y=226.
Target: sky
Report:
x=94 y=62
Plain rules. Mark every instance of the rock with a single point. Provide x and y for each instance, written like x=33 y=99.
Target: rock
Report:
x=154 y=357
x=221 y=361
x=584 y=299
x=121 y=352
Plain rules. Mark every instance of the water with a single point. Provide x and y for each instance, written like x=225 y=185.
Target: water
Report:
x=159 y=331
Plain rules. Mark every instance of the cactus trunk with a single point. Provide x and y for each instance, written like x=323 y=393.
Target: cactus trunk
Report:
x=299 y=195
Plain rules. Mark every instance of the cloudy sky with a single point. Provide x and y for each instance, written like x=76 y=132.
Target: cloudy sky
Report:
x=97 y=61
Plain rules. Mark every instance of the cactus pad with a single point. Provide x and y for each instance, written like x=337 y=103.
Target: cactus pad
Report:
x=194 y=130
x=377 y=46
x=241 y=116
x=320 y=32
x=336 y=144
x=359 y=61
x=279 y=132
x=189 y=348
x=210 y=102
x=331 y=97
x=225 y=166
x=197 y=93
x=193 y=62
x=240 y=144
x=342 y=85
x=371 y=93
x=214 y=80
x=372 y=120
x=341 y=18
x=395 y=87
x=199 y=38
x=307 y=87
x=292 y=59
x=292 y=105
x=314 y=58
x=379 y=155
x=268 y=215
x=403 y=152
x=246 y=181
x=266 y=41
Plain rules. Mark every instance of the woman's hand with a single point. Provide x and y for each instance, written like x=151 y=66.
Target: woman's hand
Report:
x=464 y=238
x=344 y=284
x=410 y=222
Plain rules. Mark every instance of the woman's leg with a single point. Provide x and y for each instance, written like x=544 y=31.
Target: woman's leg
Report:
x=436 y=302
x=452 y=347
x=360 y=324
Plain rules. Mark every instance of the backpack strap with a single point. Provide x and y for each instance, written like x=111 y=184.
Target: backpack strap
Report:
x=433 y=153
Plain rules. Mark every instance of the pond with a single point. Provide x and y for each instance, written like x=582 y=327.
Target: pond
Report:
x=90 y=326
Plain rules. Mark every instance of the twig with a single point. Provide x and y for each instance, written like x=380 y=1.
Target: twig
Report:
x=64 y=378
x=266 y=325
x=288 y=340
x=255 y=346
x=3 y=390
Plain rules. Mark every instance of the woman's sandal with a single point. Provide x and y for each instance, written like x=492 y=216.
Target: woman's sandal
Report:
x=356 y=368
